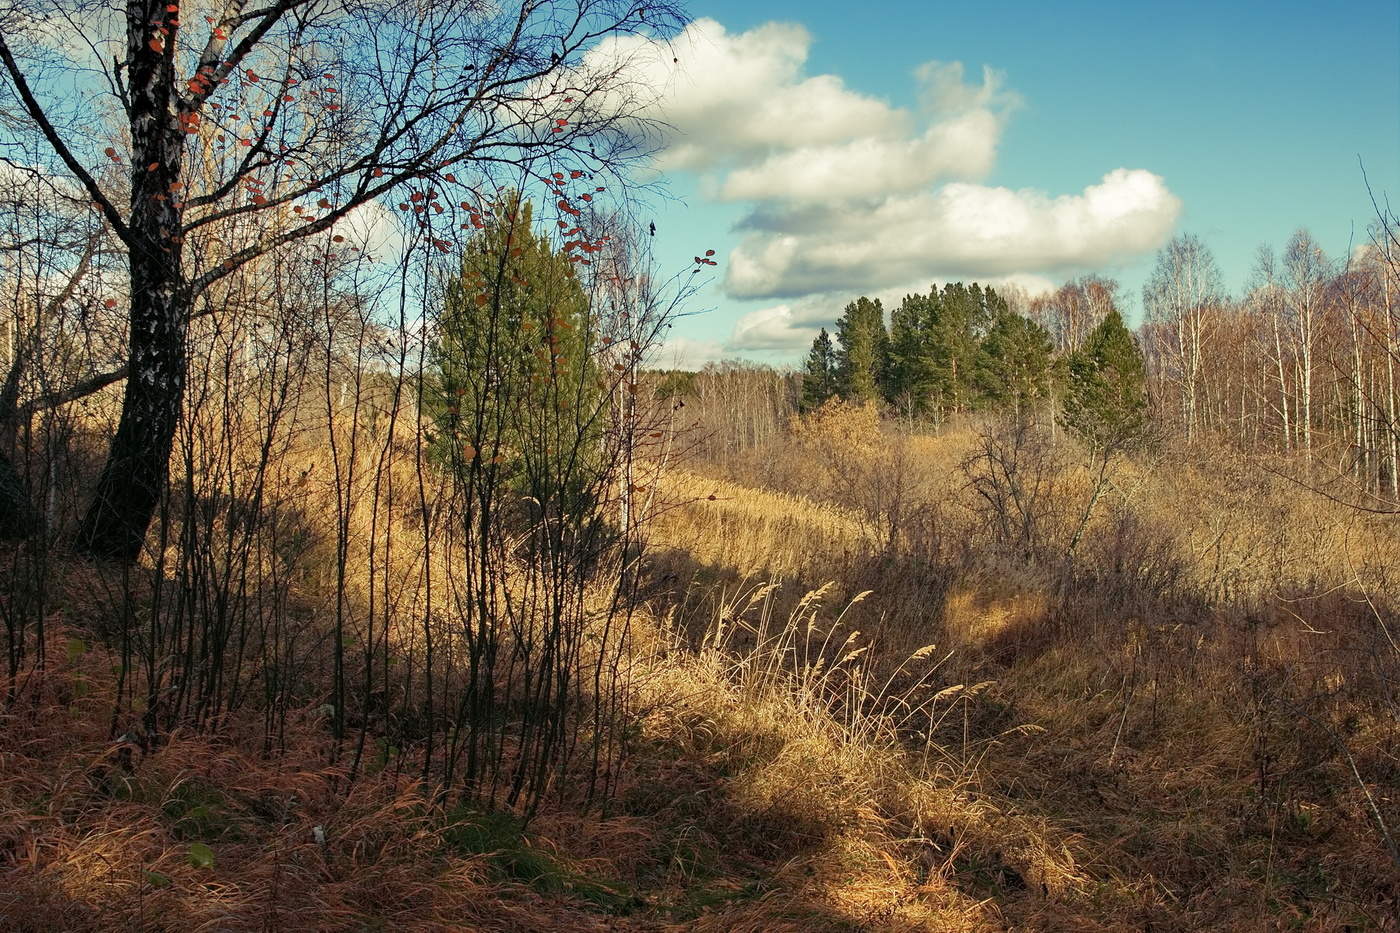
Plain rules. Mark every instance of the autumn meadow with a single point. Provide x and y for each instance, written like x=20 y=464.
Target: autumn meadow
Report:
x=371 y=559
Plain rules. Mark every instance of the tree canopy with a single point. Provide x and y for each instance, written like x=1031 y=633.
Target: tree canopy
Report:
x=1106 y=398
x=952 y=350
x=206 y=142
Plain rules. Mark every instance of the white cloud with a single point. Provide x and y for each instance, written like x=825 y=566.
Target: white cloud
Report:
x=739 y=107
x=725 y=95
x=960 y=230
x=375 y=229
x=848 y=194
x=781 y=327
x=685 y=353
x=945 y=90
x=963 y=147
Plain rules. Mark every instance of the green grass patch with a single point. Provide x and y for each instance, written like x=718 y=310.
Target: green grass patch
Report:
x=500 y=838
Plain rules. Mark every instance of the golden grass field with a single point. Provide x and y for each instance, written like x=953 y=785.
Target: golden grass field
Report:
x=857 y=707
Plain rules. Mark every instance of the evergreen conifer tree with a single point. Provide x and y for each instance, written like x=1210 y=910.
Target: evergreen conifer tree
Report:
x=514 y=379
x=1016 y=364
x=909 y=379
x=861 y=361
x=819 y=376
x=1106 y=398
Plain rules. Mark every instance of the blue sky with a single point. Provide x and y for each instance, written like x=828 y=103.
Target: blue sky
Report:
x=1238 y=122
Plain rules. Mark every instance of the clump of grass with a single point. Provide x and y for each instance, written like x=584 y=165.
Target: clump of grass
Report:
x=821 y=756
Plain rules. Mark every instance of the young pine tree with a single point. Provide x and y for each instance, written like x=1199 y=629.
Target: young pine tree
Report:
x=1016 y=365
x=909 y=381
x=1106 y=397
x=861 y=361
x=515 y=381
x=819 y=377
x=954 y=344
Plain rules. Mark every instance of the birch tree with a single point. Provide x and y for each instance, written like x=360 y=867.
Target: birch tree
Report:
x=1267 y=300
x=1179 y=301
x=1306 y=271
x=207 y=134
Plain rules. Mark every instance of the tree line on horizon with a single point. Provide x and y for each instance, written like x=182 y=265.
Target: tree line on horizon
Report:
x=1304 y=361
x=964 y=349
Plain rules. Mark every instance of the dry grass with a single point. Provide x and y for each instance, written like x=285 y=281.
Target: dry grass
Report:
x=1199 y=708
x=767 y=533
x=855 y=709
x=747 y=805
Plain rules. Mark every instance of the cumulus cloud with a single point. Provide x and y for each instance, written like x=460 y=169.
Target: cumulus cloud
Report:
x=960 y=230
x=962 y=147
x=780 y=327
x=724 y=96
x=847 y=194
x=739 y=108
x=374 y=228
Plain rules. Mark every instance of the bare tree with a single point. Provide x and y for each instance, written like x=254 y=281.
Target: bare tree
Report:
x=1074 y=309
x=1306 y=270
x=59 y=330
x=1180 y=301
